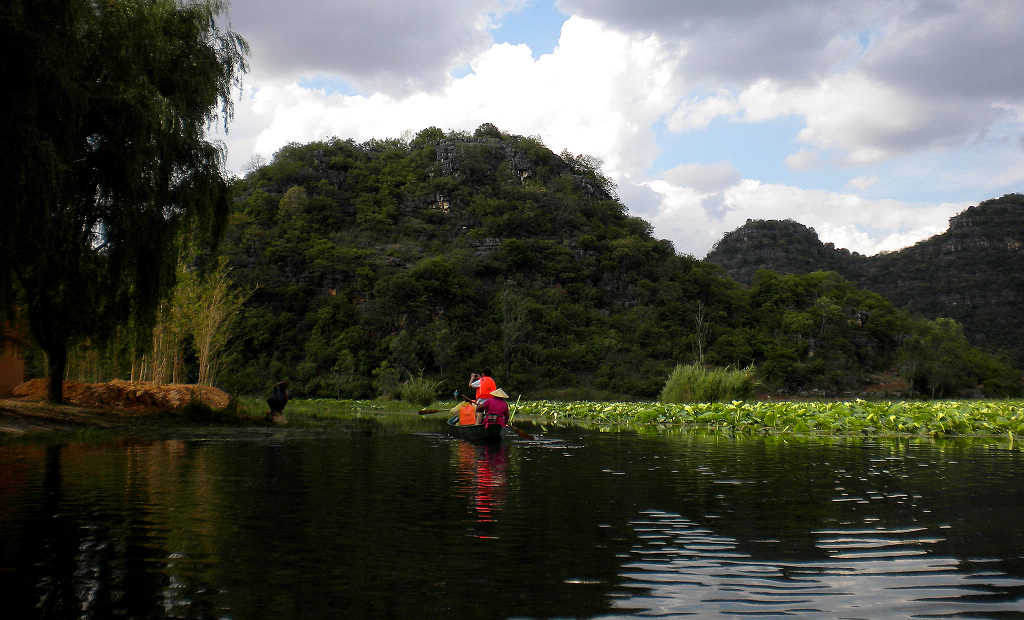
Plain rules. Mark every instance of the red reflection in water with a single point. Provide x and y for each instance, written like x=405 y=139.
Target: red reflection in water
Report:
x=483 y=472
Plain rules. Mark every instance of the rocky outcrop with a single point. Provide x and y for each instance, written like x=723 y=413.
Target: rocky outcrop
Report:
x=783 y=246
x=971 y=273
x=451 y=156
x=484 y=155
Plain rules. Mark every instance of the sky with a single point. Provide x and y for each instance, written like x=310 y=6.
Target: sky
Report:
x=871 y=121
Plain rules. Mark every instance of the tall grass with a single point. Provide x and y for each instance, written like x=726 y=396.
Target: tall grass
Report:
x=695 y=383
x=418 y=390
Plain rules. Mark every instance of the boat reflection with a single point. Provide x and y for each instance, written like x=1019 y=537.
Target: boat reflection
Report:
x=483 y=477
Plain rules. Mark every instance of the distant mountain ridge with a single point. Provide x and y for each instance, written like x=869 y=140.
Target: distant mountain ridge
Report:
x=973 y=272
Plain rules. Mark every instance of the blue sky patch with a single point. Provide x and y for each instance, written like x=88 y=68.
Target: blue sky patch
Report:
x=538 y=24
x=756 y=150
x=329 y=85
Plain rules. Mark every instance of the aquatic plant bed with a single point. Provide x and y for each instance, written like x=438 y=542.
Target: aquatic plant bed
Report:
x=935 y=418
x=857 y=417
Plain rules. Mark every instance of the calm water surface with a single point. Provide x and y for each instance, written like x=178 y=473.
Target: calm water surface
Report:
x=359 y=520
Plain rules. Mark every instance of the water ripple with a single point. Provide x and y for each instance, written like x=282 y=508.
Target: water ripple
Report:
x=678 y=567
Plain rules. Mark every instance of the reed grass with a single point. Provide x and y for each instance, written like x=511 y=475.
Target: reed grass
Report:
x=696 y=383
x=418 y=390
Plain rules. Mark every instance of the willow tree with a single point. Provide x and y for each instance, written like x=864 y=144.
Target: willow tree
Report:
x=106 y=164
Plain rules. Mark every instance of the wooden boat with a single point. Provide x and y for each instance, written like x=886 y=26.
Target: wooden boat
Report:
x=474 y=432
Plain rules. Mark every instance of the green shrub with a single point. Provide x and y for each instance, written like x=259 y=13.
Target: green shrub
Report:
x=386 y=379
x=419 y=391
x=695 y=383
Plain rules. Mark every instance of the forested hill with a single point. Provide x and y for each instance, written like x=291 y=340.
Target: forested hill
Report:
x=453 y=252
x=971 y=273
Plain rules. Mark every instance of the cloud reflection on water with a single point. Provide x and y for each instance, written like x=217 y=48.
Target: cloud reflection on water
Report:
x=680 y=567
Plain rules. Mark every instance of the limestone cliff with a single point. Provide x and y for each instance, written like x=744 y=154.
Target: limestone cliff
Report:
x=973 y=272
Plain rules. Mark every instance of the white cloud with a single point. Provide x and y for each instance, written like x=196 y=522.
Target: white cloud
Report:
x=862 y=182
x=872 y=122
x=765 y=100
x=964 y=49
x=698 y=112
x=393 y=46
x=598 y=93
x=849 y=221
x=803 y=160
x=704 y=178
x=899 y=95
x=682 y=218
x=874 y=80
x=737 y=43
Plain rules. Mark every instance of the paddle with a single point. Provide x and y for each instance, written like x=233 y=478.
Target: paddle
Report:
x=523 y=434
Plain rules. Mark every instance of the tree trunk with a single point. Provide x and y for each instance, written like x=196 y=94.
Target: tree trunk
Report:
x=56 y=361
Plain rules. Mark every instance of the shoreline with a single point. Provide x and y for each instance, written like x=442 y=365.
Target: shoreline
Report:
x=116 y=405
x=20 y=417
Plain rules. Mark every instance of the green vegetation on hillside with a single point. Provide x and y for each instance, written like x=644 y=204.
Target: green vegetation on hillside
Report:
x=970 y=273
x=451 y=252
x=395 y=267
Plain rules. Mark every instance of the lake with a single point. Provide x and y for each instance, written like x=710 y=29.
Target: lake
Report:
x=364 y=518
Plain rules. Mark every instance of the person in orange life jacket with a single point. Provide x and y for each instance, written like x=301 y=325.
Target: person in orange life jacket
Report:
x=484 y=385
x=466 y=413
x=494 y=410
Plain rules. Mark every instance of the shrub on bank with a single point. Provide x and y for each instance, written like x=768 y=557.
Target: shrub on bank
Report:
x=695 y=383
x=418 y=391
